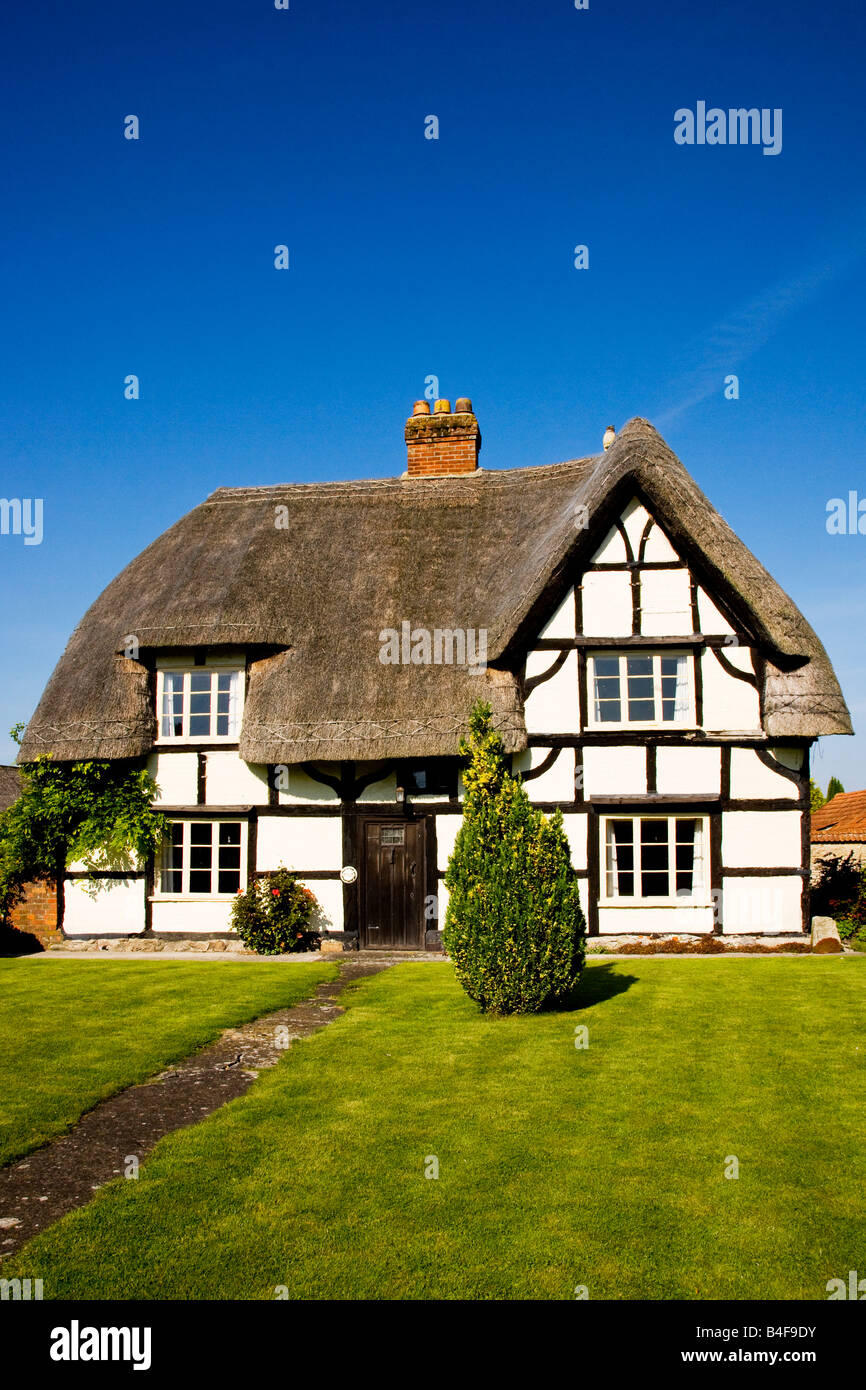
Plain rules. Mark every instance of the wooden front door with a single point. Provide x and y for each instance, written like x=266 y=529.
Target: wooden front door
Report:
x=393 y=889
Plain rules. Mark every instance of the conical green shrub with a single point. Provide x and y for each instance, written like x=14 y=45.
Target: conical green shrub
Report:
x=514 y=926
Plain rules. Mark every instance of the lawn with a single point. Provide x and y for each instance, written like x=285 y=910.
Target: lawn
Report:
x=74 y=1032
x=558 y=1166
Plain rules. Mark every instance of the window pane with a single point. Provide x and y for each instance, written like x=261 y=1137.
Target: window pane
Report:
x=620 y=859
x=654 y=859
x=639 y=665
x=228 y=880
x=608 y=706
x=199 y=880
x=201 y=833
x=172 y=704
x=674 y=688
x=685 y=856
x=199 y=681
x=171 y=880
x=230 y=832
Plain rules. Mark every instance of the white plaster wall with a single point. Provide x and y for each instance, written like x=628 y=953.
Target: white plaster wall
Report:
x=232 y=782
x=328 y=914
x=711 y=620
x=730 y=705
x=383 y=790
x=561 y=623
x=751 y=778
x=583 y=894
x=304 y=791
x=761 y=839
x=658 y=547
x=612 y=550
x=177 y=777
x=446 y=834
x=557 y=783
x=607 y=603
x=437 y=923
x=665 y=603
x=188 y=917
x=791 y=757
x=760 y=905
x=634 y=518
x=299 y=842
x=614 y=771
x=687 y=771
x=115 y=906
x=552 y=708
x=667 y=920
x=575 y=828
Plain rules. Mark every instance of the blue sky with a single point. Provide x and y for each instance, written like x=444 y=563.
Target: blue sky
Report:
x=412 y=257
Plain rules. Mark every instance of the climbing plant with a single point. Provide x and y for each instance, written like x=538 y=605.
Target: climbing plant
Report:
x=100 y=813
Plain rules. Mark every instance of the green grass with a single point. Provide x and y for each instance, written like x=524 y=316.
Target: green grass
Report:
x=74 y=1032
x=558 y=1167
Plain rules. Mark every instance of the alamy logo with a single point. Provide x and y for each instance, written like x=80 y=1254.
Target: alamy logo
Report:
x=18 y=1290
x=76 y=1343
x=22 y=516
x=737 y=126
x=444 y=646
x=846 y=517
x=856 y=1287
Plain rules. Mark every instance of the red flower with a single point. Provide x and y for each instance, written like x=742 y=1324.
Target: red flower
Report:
x=276 y=892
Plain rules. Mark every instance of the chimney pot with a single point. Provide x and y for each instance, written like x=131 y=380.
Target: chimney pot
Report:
x=441 y=444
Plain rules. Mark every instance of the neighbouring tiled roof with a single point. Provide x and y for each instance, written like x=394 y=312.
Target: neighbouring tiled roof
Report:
x=841 y=820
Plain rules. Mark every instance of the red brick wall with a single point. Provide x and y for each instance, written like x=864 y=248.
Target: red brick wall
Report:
x=441 y=444
x=36 y=913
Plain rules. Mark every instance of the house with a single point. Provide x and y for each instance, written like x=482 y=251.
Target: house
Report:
x=839 y=827
x=296 y=665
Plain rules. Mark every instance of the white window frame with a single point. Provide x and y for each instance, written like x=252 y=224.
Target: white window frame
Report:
x=187 y=670
x=165 y=867
x=687 y=721
x=701 y=894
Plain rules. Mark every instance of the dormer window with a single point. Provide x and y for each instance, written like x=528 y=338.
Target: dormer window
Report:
x=644 y=688
x=199 y=704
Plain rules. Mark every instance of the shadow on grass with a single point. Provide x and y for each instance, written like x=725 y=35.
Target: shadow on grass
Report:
x=596 y=984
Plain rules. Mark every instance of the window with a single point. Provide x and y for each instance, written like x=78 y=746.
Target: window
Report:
x=200 y=703
x=203 y=859
x=640 y=688
x=438 y=777
x=655 y=858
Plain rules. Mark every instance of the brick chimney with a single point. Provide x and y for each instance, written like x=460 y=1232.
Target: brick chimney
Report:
x=444 y=442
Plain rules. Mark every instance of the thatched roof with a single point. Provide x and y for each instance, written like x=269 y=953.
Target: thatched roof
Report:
x=481 y=551
x=10 y=786
x=841 y=820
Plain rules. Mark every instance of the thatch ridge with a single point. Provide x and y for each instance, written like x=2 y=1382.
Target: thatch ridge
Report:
x=476 y=551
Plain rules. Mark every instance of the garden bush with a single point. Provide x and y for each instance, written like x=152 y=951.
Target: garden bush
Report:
x=514 y=926
x=273 y=916
x=839 y=891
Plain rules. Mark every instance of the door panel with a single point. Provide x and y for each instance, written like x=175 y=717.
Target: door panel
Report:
x=393 y=893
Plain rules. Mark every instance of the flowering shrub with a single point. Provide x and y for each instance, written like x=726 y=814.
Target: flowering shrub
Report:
x=273 y=915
